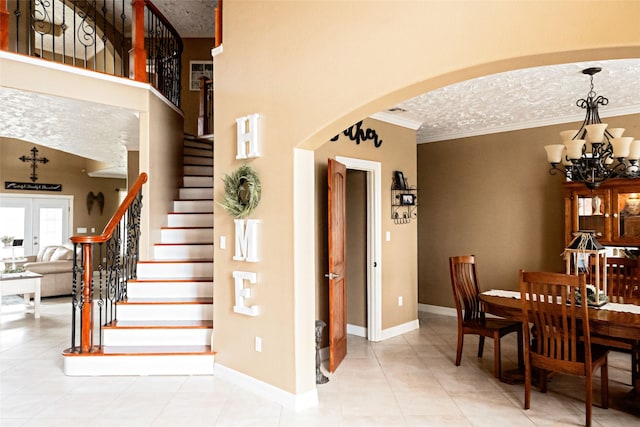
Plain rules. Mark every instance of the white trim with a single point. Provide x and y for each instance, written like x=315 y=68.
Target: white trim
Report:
x=397 y=120
x=374 y=241
x=356 y=330
x=436 y=309
x=296 y=402
x=86 y=73
x=304 y=269
x=216 y=51
x=400 y=329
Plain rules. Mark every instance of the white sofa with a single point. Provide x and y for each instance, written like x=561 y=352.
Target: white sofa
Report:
x=55 y=263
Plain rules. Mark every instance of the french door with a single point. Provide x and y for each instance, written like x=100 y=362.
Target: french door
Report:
x=37 y=221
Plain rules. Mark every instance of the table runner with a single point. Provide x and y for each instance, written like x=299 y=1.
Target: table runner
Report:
x=611 y=306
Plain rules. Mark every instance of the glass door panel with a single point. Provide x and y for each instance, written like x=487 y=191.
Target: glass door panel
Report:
x=592 y=215
x=627 y=215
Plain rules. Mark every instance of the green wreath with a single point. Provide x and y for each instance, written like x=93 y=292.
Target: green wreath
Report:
x=241 y=192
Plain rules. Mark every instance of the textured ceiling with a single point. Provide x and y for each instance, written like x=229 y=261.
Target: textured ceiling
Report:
x=519 y=99
x=190 y=18
x=57 y=123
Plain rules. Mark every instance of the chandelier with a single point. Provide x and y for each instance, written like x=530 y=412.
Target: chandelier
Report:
x=594 y=153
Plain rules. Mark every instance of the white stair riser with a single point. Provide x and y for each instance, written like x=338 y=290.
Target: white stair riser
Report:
x=165 y=312
x=186 y=235
x=190 y=220
x=169 y=290
x=182 y=252
x=175 y=270
x=195 y=193
x=137 y=337
x=197 y=181
x=139 y=365
x=198 y=170
x=191 y=206
x=198 y=160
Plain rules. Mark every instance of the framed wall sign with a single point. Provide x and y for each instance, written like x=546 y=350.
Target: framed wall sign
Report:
x=197 y=70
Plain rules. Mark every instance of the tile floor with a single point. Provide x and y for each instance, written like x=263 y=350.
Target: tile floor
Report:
x=406 y=381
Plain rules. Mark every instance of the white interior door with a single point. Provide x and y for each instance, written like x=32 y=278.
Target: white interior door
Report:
x=38 y=221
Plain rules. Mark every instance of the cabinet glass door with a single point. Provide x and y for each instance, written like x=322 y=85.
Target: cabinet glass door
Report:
x=627 y=215
x=592 y=213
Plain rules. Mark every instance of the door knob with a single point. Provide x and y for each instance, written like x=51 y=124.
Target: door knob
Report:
x=332 y=276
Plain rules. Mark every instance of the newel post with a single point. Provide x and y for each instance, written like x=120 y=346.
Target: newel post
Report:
x=87 y=298
x=4 y=25
x=137 y=54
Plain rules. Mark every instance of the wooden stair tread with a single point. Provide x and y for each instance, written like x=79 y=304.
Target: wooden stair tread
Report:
x=140 y=350
x=187 y=228
x=160 y=324
x=183 y=244
x=170 y=280
x=176 y=261
x=168 y=301
x=191 y=213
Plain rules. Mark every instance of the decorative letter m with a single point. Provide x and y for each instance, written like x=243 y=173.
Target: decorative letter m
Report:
x=246 y=240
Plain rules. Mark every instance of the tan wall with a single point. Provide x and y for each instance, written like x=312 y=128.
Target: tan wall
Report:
x=399 y=255
x=356 y=249
x=160 y=156
x=194 y=50
x=65 y=169
x=491 y=196
x=311 y=70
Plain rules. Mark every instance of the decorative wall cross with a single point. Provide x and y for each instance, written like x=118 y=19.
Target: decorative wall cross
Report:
x=34 y=162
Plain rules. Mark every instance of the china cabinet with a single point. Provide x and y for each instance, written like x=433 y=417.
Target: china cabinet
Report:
x=612 y=211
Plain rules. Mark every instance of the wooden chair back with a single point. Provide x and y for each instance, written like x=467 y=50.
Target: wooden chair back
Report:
x=549 y=303
x=622 y=277
x=464 y=282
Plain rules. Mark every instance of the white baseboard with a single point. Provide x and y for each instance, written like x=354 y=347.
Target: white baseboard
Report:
x=358 y=331
x=399 y=330
x=436 y=309
x=296 y=402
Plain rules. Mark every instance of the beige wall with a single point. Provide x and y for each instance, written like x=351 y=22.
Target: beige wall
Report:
x=356 y=249
x=65 y=169
x=194 y=50
x=399 y=255
x=492 y=196
x=312 y=69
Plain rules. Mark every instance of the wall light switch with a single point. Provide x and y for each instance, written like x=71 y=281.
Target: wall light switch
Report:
x=81 y=230
x=258 y=344
x=388 y=236
x=400 y=301
x=223 y=242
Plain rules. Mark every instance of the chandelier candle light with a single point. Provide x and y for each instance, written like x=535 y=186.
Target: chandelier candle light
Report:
x=594 y=153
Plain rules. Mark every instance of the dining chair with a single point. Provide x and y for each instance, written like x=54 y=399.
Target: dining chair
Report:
x=622 y=281
x=471 y=317
x=622 y=277
x=562 y=338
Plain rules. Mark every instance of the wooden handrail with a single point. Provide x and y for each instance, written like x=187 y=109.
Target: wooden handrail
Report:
x=117 y=216
x=4 y=25
x=84 y=299
x=218 y=16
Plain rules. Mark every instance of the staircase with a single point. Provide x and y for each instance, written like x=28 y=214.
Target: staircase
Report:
x=165 y=326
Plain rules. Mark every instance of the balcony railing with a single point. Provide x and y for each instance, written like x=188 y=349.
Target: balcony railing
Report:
x=119 y=37
x=102 y=267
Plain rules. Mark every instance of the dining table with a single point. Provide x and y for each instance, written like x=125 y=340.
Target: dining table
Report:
x=617 y=319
